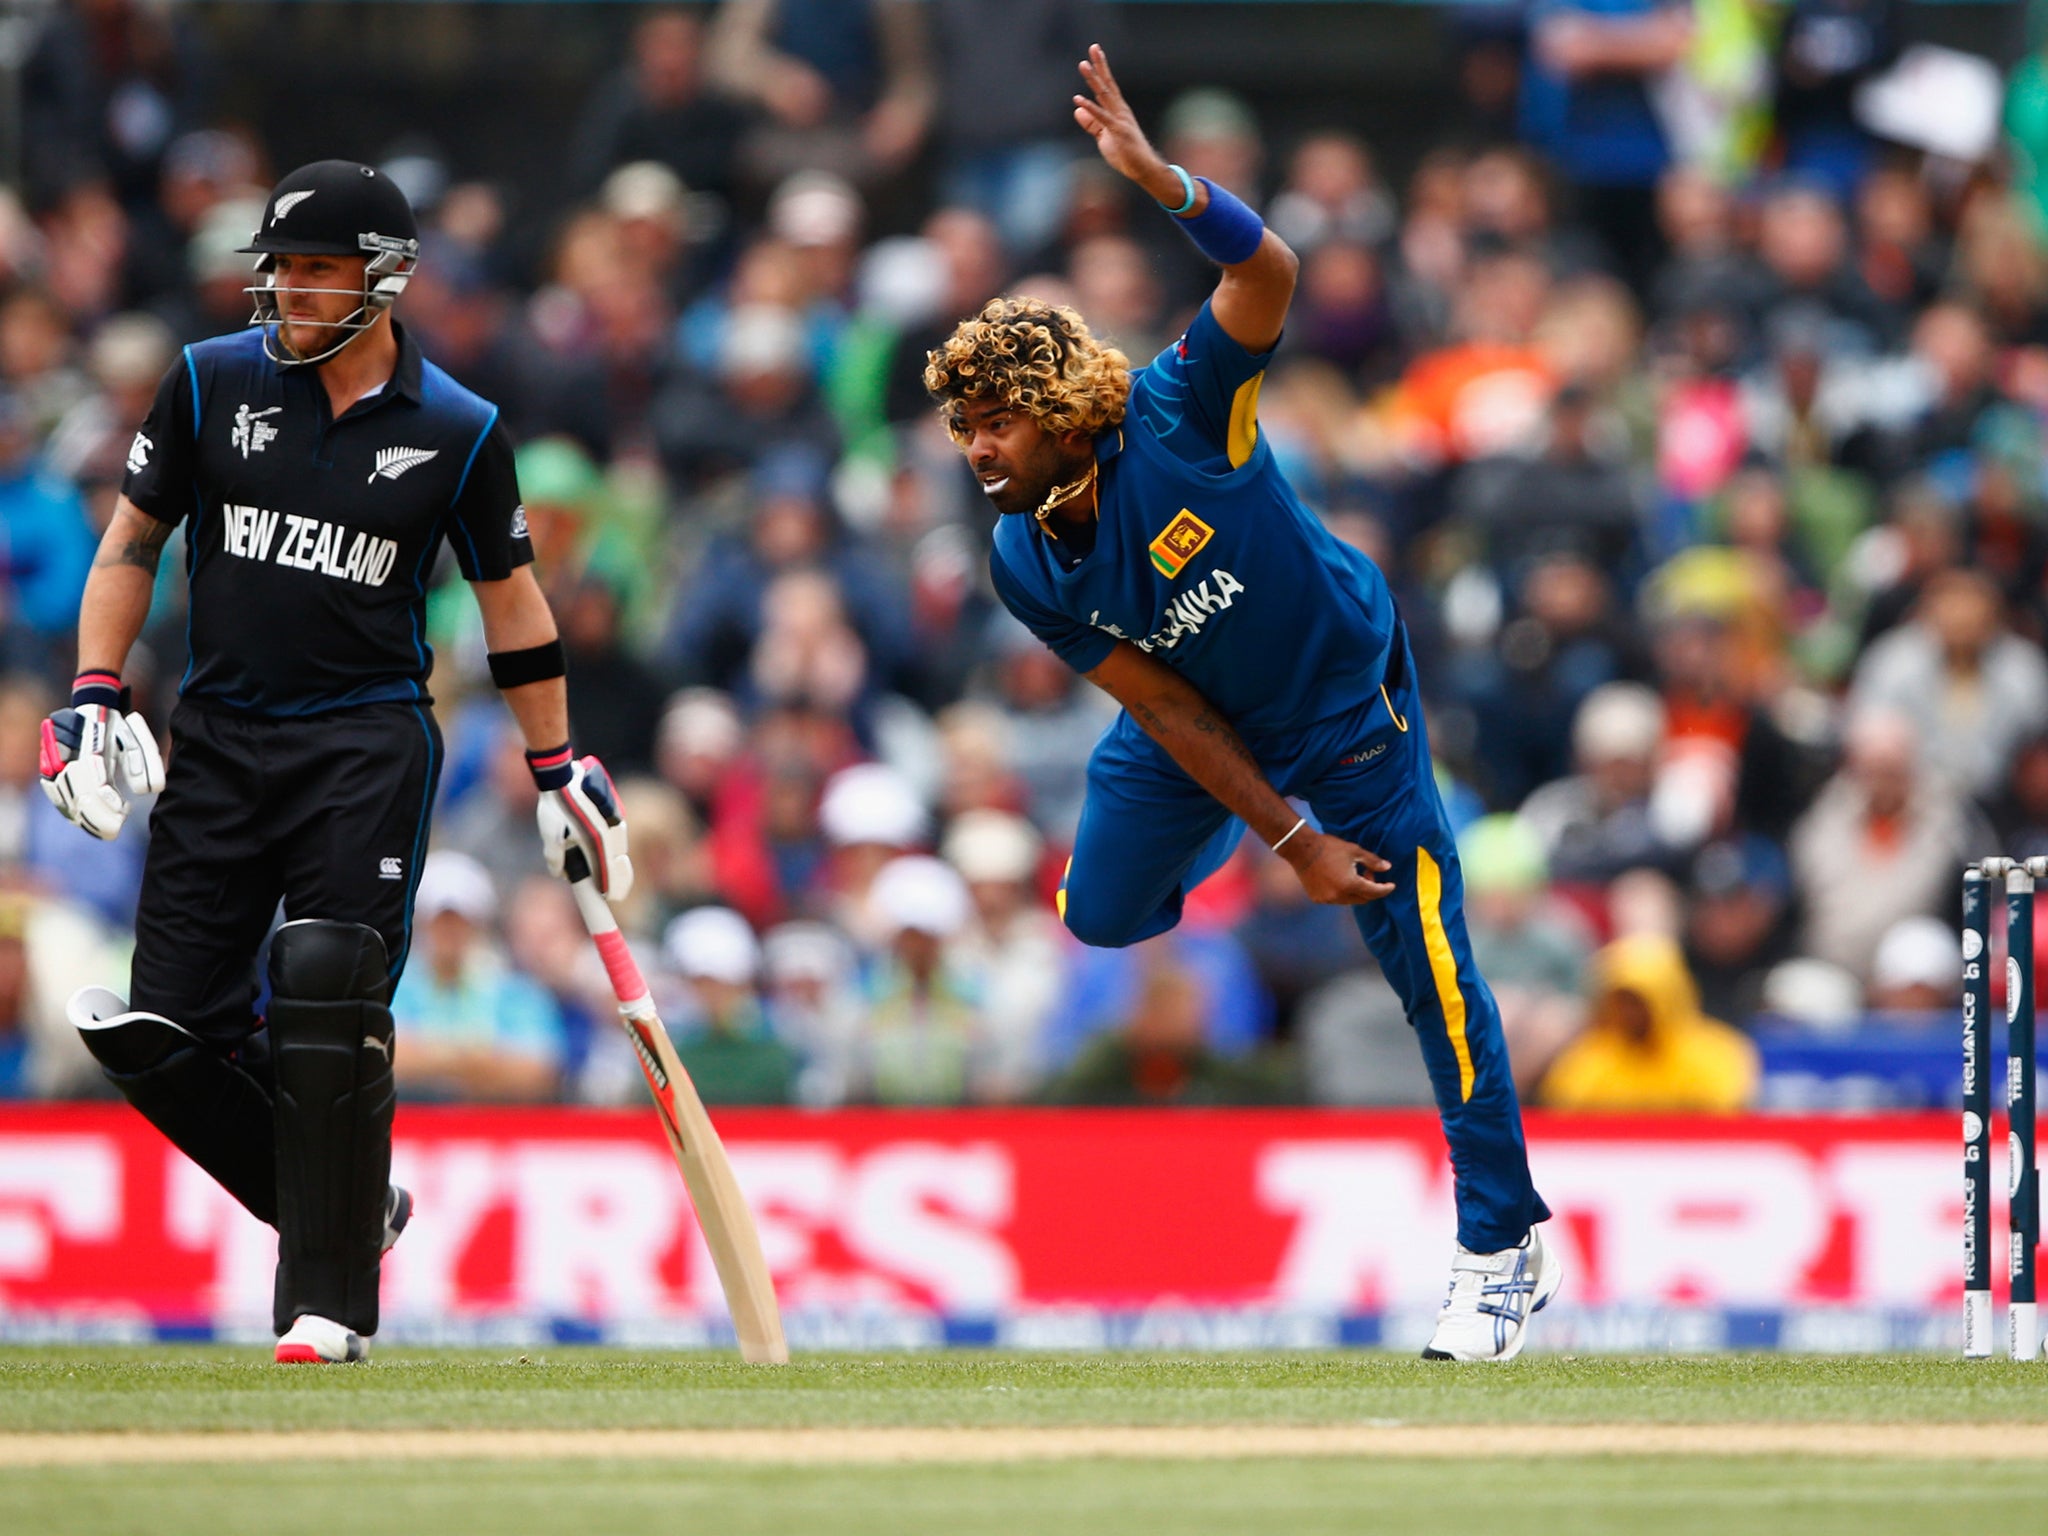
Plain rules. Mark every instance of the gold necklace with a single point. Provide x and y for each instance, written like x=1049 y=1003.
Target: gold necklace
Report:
x=1060 y=496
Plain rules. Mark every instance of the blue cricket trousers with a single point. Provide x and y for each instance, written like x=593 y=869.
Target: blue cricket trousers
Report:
x=1149 y=834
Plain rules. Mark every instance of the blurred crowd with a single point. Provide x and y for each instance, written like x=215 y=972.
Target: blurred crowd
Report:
x=1699 y=431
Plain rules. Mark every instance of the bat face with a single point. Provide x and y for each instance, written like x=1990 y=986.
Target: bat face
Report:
x=722 y=1211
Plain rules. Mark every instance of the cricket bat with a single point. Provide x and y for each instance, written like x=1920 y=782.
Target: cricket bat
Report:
x=721 y=1209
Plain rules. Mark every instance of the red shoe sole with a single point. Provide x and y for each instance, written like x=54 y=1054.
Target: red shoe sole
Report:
x=298 y=1354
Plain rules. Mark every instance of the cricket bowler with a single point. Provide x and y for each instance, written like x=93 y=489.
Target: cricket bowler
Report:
x=316 y=462
x=1149 y=539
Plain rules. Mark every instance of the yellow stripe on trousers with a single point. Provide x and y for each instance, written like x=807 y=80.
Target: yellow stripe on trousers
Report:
x=1443 y=965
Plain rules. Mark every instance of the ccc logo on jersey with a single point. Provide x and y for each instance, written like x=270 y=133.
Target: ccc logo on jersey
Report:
x=1179 y=542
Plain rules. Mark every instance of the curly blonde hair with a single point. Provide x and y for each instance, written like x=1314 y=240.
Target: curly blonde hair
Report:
x=1035 y=357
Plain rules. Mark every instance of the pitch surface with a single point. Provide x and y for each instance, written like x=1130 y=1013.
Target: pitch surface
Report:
x=217 y=1440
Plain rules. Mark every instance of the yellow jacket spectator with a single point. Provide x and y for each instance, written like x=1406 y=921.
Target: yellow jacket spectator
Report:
x=1648 y=1046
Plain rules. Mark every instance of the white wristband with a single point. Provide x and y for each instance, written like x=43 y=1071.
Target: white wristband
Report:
x=1290 y=832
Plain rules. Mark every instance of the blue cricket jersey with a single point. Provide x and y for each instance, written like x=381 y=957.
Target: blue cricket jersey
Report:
x=1206 y=559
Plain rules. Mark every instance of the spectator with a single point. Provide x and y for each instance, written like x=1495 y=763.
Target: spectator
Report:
x=1971 y=689
x=846 y=84
x=612 y=721
x=762 y=398
x=212 y=302
x=545 y=939
x=1012 y=942
x=1918 y=971
x=1332 y=193
x=1294 y=945
x=792 y=531
x=470 y=1027
x=1803 y=242
x=1598 y=822
x=1647 y=1046
x=200 y=171
x=1586 y=104
x=1053 y=720
x=1739 y=923
x=49 y=948
x=659 y=107
x=1160 y=1057
x=1113 y=284
x=45 y=547
x=1489 y=391
x=698 y=747
x=1826 y=49
x=814 y=997
x=1707 y=268
x=89 y=446
x=672 y=868
x=1210 y=132
x=1357 y=1046
x=870 y=817
x=925 y=1038
x=1004 y=74
x=2002 y=265
x=970 y=254
x=1345 y=314
x=724 y=1038
x=1900 y=255
x=1571 y=494
x=493 y=823
x=1883 y=842
x=1565 y=640
x=1531 y=949
x=107 y=87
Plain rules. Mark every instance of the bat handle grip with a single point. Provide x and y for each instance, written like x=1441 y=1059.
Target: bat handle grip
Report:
x=628 y=985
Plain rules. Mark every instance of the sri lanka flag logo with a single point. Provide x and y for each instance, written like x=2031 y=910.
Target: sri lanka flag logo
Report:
x=1179 y=542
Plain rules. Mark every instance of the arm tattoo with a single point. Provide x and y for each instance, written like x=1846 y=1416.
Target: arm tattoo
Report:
x=1209 y=723
x=1148 y=718
x=143 y=550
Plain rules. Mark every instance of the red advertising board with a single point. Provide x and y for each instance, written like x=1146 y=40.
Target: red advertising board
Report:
x=1024 y=1227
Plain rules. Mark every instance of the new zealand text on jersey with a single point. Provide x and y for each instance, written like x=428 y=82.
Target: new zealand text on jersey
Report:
x=308 y=544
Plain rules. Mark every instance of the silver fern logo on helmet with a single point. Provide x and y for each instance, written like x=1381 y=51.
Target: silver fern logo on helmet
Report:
x=288 y=202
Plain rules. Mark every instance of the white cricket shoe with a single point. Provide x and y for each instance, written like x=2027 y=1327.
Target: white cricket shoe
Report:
x=318 y=1341
x=1486 y=1316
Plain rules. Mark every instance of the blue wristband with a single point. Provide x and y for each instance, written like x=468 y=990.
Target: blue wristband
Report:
x=103 y=688
x=1226 y=231
x=1187 y=187
x=552 y=769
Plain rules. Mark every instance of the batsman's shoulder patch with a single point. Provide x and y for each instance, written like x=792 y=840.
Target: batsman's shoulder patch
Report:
x=1179 y=542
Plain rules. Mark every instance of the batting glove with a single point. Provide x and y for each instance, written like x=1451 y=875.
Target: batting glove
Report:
x=94 y=758
x=582 y=832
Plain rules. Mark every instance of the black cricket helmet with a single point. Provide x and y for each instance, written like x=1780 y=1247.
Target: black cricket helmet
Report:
x=334 y=208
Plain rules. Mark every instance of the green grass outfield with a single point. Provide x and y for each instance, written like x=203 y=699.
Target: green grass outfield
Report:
x=594 y=1492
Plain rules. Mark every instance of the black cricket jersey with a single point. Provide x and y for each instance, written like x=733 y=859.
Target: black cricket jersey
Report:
x=309 y=538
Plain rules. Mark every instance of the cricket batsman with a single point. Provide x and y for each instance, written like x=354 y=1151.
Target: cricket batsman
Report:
x=1149 y=539
x=316 y=462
